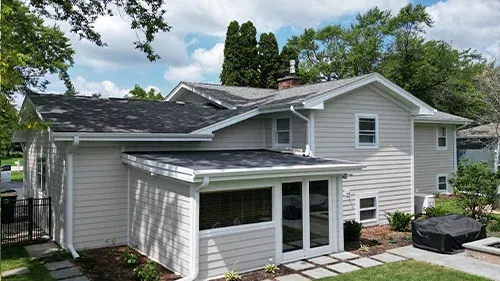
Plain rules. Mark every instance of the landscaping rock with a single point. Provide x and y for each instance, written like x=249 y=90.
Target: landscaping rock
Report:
x=343 y=267
x=65 y=273
x=319 y=273
x=17 y=271
x=365 y=262
x=292 y=277
x=58 y=265
x=299 y=265
x=386 y=257
x=344 y=256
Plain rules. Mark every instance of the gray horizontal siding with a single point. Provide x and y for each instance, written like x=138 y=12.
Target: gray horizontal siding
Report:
x=160 y=219
x=388 y=169
x=429 y=161
x=245 y=250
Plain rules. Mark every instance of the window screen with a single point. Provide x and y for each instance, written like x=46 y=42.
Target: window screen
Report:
x=442 y=183
x=442 y=137
x=368 y=208
x=41 y=172
x=367 y=131
x=282 y=131
x=231 y=208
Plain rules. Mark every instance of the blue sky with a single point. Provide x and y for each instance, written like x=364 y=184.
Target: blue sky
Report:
x=193 y=49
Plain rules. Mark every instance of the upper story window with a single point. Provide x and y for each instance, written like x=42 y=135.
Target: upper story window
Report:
x=282 y=135
x=41 y=173
x=366 y=131
x=441 y=138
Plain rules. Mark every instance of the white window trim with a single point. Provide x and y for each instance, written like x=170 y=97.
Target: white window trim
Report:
x=445 y=136
x=42 y=178
x=275 y=134
x=366 y=146
x=437 y=183
x=360 y=196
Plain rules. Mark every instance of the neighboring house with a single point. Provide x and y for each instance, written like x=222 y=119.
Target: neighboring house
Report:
x=481 y=144
x=221 y=175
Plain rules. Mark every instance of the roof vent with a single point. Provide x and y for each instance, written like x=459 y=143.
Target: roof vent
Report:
x=180 y=102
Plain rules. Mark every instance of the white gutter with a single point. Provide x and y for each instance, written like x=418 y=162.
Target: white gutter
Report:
x=195 y=230
x=91 y=136
x=69 y=196
x=308 y=148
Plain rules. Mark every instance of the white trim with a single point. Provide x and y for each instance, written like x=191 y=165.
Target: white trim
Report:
x=389 y=97
x=412 y=123
x=450 y=122
x=278 y=219
x=312 y=140
x=445 y=136
x=340 y=213
x=277 y=145
x=437 y=183
x=356 y=125
x=231 y=230
x=128 y=205
x=181 y=85
x=455 y=154
x=227 y=122
x=367 y=195
x=84 y=136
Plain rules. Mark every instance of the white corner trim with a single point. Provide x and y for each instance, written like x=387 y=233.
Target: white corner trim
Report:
x=445 y=136
x=455 y=153
x=356 y=126
x=412 y=122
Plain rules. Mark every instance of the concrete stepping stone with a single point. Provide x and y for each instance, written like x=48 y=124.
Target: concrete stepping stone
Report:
x=65 y=273
x=79 y=278
x=41 y=250
x=299 y=265
x=58 y=265
x=365 y=262
x=292 y=277
x=322 y=260
x=386 y=257
x=17 y=271
x=319 y=273
x=344 y=256
x=343 y=267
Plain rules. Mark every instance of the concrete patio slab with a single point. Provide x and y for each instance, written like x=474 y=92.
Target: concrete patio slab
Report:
x=292 y=277
x=343 y=267
x=322 y=260
x=458 y=261
x=65 y=273
x=386 y=258
x=17 y=271
x=365 y=262
x=319 y=273
x=344 y=256
x=58 y=265
x=41 y=250
x=299 y=265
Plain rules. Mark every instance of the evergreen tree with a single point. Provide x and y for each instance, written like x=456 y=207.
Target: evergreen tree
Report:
x=249 y=59
x=269 y=60
x=230 y=74
x=287 y=54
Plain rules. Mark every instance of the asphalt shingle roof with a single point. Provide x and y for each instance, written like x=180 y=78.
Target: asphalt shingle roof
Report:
x=484 y=131
x=442 y=116
x=234 y=159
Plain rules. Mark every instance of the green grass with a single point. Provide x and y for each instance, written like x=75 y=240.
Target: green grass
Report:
x=15 y=257
x=405 y=271
x=12 y=161
x=16 y=176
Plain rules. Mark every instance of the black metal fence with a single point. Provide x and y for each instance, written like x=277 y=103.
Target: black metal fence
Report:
x=25 y=220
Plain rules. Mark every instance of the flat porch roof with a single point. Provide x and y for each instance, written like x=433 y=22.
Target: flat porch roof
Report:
x=193 y=166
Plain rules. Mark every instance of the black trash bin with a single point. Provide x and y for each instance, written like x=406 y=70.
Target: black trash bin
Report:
x=9 y=198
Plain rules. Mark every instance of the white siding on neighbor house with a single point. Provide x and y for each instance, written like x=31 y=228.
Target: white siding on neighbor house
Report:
x=248 y=250
x=388 y=171
x=39 y=145
x=160 y=219
x=100 y=197
x=430 y=161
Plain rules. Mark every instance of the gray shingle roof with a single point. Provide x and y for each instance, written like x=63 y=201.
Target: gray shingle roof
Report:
x=235 y=159
x=85 y=114
x=483 y=131
x=442 y=116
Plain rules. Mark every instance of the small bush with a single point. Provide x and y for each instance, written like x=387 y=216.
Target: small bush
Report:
x=364 y=248
x=271 y=267
x=147 y=272
x=494 y=226
x=232 y=275
x=399 y=221
x=128 y=257
x=352 y=231
x=437 y=194
x=433 y=212
x=393 y=240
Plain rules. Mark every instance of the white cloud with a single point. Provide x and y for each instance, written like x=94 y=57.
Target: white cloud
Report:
x=106 y=88
x=466 y=24
x=204 y=62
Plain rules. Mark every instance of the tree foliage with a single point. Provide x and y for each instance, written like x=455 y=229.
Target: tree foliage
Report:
x=269 y=59
x=230 y=74
x=394 y=45
x=138 y=93
x=287 y=54
x=8 y=123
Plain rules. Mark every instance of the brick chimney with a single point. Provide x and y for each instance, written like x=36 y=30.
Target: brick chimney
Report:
x=290 y=80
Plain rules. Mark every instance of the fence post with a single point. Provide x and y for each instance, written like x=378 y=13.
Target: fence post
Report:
x=50 y=216
x=30 y=218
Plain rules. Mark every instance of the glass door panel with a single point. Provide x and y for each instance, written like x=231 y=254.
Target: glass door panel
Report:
x=319 y=231
x=293 y=231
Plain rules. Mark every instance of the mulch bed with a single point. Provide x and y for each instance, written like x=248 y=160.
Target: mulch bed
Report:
x=261 y=275
x=379 y=239
x=104 y=265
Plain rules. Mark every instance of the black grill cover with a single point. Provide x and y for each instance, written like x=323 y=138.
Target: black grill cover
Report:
x=446 y=234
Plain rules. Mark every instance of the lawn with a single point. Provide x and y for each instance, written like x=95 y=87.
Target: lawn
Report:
x=405 y=271
x=15 y=257
x=16 y=176
x=12 y=161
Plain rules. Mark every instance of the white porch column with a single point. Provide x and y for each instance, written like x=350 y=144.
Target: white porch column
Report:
x=340 y=213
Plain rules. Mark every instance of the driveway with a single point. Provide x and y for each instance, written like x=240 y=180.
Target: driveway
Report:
x=458 y=261
x=15 y=185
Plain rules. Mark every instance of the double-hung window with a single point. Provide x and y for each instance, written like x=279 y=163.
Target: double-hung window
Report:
x=367 y=208
x=442 y=182
x=282 y=135
x=41 y=173
x=441 y=138
x=366 y=131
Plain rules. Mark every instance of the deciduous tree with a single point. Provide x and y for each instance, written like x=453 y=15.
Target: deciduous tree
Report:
x=138 y=93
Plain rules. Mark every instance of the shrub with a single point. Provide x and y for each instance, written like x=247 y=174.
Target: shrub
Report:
x=399 y=221
x=476 y=186
x=232 y=275
x=128 y=257
x=147 y=272
x=352 y=231
x=271 y=267
x=364 y=248
x=433 y=212
x=494 y=226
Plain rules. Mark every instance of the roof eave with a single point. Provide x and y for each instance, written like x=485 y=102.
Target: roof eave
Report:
x=431 y=121
x=150 y=137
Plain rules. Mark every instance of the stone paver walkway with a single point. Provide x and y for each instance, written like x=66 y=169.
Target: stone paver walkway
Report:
x=42 y=250
x=65 y=270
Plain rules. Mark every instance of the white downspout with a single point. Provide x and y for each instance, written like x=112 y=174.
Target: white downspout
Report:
x=195 y=230
x=69 y=196
x=307 y=153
